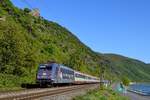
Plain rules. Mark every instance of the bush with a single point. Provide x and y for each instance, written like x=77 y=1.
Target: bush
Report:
x=98 y=94
x=125 y=81
x=27 y=10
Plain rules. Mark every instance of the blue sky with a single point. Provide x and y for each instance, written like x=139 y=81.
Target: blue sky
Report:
x=106 y=26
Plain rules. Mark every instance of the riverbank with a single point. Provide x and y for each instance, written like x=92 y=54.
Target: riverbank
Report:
x=132 y=95
x=135 y=96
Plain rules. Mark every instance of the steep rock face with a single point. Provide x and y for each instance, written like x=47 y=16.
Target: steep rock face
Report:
x=27 y=41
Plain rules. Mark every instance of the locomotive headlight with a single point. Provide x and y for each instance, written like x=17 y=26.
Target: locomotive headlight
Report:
x=44 y=74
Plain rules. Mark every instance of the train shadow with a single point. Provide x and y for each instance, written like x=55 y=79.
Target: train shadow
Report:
x=30 y=86
x=35 y=85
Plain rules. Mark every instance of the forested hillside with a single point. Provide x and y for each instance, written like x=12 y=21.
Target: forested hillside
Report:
x=26 y=41
x=134 y=69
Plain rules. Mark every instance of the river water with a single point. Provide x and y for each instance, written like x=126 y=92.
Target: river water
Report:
x=141 y=88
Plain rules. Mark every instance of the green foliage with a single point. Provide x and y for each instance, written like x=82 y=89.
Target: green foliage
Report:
x=135 y=70
x=27 y=10
x=125 y=81
x=106 y=94
x=11 y=82
x=12 y=49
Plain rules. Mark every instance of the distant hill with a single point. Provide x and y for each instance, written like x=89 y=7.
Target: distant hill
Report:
x=26 y=41
x=132 y=68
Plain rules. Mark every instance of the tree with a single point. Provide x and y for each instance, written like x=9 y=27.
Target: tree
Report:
x=27 y=10
x=12 y=49
x=125 y=81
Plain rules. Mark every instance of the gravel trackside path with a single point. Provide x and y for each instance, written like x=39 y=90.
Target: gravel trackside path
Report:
x=69 y=95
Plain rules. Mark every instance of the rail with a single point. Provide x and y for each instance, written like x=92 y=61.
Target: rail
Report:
x=37 y=93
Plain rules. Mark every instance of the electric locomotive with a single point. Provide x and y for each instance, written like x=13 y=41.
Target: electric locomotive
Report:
x=53 y=73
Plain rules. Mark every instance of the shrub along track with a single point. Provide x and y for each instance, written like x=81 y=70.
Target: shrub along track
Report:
x=37 y=93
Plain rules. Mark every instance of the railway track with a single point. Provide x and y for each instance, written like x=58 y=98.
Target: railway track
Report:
x=37 y=93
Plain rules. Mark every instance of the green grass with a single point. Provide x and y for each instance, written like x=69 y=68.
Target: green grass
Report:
x=106 y=94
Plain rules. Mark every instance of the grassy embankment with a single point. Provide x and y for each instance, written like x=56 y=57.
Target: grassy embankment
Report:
x=98 y=94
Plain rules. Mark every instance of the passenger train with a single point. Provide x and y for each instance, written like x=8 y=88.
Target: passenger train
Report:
x=53 y=73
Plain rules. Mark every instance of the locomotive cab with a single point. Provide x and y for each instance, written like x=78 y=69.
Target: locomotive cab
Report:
x=44 y=74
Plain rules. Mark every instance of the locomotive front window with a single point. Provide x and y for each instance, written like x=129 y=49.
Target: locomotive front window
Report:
x=46 y=67
x=42 y=67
